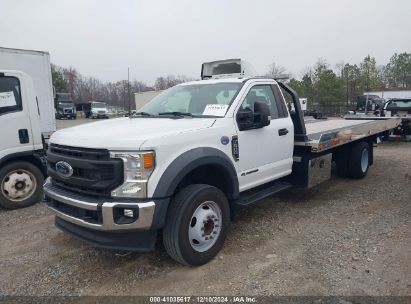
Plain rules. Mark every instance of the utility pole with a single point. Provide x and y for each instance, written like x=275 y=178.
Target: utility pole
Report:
x=128 y=91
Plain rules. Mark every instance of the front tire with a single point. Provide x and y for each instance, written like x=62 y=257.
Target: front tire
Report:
x=21 y=185
x=197 y=223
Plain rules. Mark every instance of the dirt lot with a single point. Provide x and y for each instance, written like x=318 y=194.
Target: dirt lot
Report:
x=343 y=237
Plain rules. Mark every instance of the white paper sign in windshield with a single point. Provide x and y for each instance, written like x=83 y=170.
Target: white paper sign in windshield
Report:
x=215 y=109
x=7 y=99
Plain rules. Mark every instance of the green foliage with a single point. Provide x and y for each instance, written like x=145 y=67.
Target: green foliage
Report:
x=320 y=85
x=351 y=81
x=323 y=87
x=397 y=72
x=370 y=77
x=59 y=83
x=327 y=86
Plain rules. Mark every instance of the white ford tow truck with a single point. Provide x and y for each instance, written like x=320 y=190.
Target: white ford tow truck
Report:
x=26 y=123
x=191 y=157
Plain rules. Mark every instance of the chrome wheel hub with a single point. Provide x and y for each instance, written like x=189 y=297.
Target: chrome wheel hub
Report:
x=364 y=160
x=205 y=226
x=18 y=185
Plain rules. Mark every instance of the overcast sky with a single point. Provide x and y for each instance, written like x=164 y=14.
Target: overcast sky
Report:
x=101 y=38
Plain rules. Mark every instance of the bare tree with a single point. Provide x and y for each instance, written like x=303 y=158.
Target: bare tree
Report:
x=275 y=70
x=169 y=81
x=71 y=76
x=84 y=89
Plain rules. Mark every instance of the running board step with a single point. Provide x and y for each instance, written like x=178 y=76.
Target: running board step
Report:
x=252 y=196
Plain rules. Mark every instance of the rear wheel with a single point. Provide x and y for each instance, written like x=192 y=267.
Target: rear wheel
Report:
x=359 y=161
x=196 y=224
x=341 y=162
x=20 y=185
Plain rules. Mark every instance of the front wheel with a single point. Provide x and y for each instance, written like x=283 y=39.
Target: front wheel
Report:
x=196 y=225
x=20 y=185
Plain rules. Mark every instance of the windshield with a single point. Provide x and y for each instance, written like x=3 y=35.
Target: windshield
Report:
x=98 y=105
x=63 y=97
x=196 y=99
x=398 y=104
x=65 y=104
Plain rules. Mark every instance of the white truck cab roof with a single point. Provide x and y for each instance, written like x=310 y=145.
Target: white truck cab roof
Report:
x=213 y=81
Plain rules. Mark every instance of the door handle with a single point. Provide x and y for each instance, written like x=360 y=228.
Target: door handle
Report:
x=282 y=132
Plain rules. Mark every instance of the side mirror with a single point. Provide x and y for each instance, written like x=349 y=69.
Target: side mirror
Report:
x=259 y=118
x=262 y=113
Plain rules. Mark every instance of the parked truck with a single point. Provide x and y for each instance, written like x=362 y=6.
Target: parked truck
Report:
x=399 y=107
x=65 y=107
x=94 y=109
x=191 y=157
x=26 y=123
x=373 y=107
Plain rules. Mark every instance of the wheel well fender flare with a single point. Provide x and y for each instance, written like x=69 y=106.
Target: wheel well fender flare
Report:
x=29 y=156
x=190 y=160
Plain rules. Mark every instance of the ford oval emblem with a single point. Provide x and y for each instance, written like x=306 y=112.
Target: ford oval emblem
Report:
x=225 y=140
x=64 y=169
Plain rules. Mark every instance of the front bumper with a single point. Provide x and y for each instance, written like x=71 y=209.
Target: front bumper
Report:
x=138 y=241
x=65 y=115
x=95 y=213
x=97 y=115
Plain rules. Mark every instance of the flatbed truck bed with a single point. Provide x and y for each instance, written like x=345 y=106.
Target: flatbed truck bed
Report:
x=326 y=134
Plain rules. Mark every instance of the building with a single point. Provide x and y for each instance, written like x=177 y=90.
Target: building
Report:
x=391 y=94
x=142 y=98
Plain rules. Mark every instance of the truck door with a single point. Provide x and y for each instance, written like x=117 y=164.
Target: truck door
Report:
x=265 y=153
x=15 y=130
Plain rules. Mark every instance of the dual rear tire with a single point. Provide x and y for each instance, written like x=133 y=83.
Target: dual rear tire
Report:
x=354 y=162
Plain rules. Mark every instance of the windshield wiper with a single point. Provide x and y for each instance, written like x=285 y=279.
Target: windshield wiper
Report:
x=142 y=114
x=176 y=113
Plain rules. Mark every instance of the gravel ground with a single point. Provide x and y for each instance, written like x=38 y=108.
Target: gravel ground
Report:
x=343 y=237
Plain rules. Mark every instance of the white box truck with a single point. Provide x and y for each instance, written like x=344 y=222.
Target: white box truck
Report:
x=141 y=98
x=26 y=123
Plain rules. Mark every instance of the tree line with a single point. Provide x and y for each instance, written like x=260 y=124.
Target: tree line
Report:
x=322 y=84
x=327 y=86
x=83 y=89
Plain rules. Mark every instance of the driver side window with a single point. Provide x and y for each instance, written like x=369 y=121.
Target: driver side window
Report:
x=10 y=95
x=262 y=93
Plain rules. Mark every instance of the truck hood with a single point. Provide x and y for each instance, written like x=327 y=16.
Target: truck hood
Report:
x=126 y=133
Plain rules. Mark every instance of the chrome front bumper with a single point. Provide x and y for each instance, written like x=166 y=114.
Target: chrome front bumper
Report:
x=143 y=221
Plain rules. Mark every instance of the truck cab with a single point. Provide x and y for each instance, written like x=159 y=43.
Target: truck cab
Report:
x=22 y=161
x=98 y=109
x=26 y=123
x=372 y=104
x=190 y=158
x=65 y=107
x=399 y=107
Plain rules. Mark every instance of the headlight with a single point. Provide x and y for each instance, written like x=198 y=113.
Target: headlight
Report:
x=138 y=167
